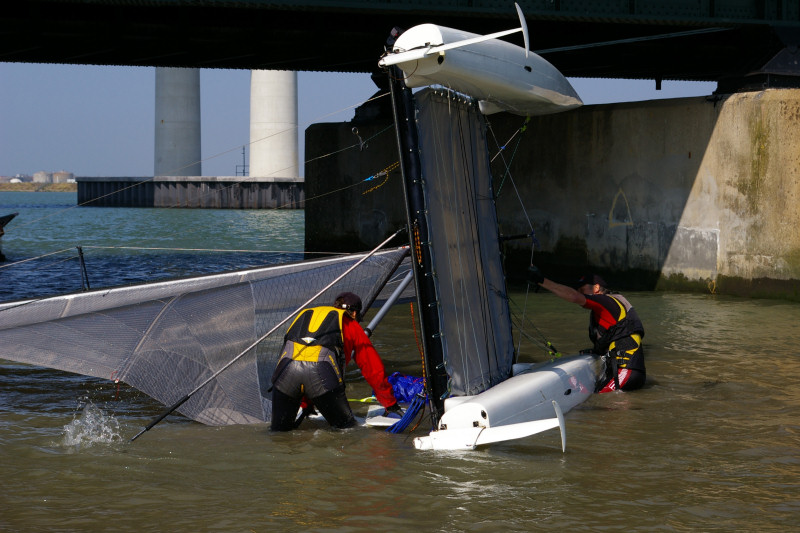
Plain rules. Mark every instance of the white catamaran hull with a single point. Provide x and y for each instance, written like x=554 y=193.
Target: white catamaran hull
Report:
x=523 y=405
x=500 y=75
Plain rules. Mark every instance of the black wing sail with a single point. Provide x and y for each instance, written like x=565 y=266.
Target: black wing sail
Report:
x=453 y=223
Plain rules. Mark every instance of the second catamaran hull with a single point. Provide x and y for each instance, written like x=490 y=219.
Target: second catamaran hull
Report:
x=500 y=75
x=529 y=402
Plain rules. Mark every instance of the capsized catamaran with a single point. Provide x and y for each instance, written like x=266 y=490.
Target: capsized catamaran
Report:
x=202 y=344
x=477 y=394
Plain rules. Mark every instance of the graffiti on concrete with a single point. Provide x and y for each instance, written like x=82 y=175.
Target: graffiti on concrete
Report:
x=620 y=212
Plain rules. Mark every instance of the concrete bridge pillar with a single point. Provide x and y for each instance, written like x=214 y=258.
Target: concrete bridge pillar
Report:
x=273 y=124
x=177 y=128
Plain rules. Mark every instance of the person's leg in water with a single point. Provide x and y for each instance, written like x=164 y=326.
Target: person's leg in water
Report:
x=628 y=380
x=335 y=408
x=284 y=411
x=318 y=381
x=626 y=369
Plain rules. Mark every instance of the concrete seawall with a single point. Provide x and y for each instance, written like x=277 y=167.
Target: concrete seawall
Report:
x=223 y=192
x=696 y=193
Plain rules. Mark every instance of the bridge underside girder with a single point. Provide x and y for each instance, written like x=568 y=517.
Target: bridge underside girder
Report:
x=250 y=35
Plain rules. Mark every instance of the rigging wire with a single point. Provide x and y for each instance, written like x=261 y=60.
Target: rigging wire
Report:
x=501 y=150
x=551 y=350
x=70 y=258
x=507 y=166
x=161 y=248
x=383 y=173
x=224 y=152
x=521 y=322
x=507 y=173
x=15 y=263
x=224 y=367
x=152 y=248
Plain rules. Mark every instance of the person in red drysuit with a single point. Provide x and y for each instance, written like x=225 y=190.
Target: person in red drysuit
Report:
x=614 y=328
x=310 y=372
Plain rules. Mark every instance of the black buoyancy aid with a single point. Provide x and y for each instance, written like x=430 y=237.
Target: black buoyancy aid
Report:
x=627 y=324
x=316 y=335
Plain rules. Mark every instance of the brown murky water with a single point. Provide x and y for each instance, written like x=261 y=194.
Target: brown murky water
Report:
x=711 y=444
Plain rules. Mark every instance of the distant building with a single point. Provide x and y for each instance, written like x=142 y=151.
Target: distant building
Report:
x=62 y=176
x=42 y=177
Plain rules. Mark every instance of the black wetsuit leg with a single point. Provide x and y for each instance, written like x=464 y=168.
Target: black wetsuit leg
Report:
x=335 y=408
x=284 y=411
x=318 y=381
x=635 y=381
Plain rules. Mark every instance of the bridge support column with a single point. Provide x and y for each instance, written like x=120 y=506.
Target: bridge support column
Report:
x=177 y=122
x=273 y=124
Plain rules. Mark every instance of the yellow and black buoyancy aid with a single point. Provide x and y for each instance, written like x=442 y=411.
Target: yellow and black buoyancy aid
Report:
x=316 y=336
x=628 y=325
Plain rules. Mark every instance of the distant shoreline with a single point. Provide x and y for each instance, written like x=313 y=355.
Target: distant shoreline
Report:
x=38 y=187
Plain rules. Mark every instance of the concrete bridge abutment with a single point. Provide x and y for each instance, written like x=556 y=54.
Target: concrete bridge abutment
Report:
x=694 y=193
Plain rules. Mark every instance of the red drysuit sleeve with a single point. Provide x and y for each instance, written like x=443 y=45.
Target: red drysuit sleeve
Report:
x=603 y=308
x=368 y=360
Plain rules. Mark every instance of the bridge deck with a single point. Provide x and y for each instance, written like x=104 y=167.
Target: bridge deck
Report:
x=710 y=39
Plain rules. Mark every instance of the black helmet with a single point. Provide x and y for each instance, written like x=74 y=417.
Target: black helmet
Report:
x=349 y=301
x=590 y=279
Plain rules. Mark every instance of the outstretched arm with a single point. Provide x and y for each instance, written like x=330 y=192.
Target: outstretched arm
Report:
x=562 y=291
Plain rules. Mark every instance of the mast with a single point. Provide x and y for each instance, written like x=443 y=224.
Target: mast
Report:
x=408 y=147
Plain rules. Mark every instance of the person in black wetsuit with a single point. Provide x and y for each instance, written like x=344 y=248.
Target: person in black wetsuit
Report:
x=310 y=371
x=614 y=327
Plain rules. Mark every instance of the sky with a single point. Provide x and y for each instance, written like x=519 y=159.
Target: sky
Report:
x=100 y=120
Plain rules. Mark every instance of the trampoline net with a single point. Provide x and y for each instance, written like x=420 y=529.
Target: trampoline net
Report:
x=167 y=338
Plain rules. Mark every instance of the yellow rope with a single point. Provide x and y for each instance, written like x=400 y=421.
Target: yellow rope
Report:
x=385 y=173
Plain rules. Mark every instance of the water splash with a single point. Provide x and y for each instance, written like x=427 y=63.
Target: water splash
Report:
x=92 y=427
